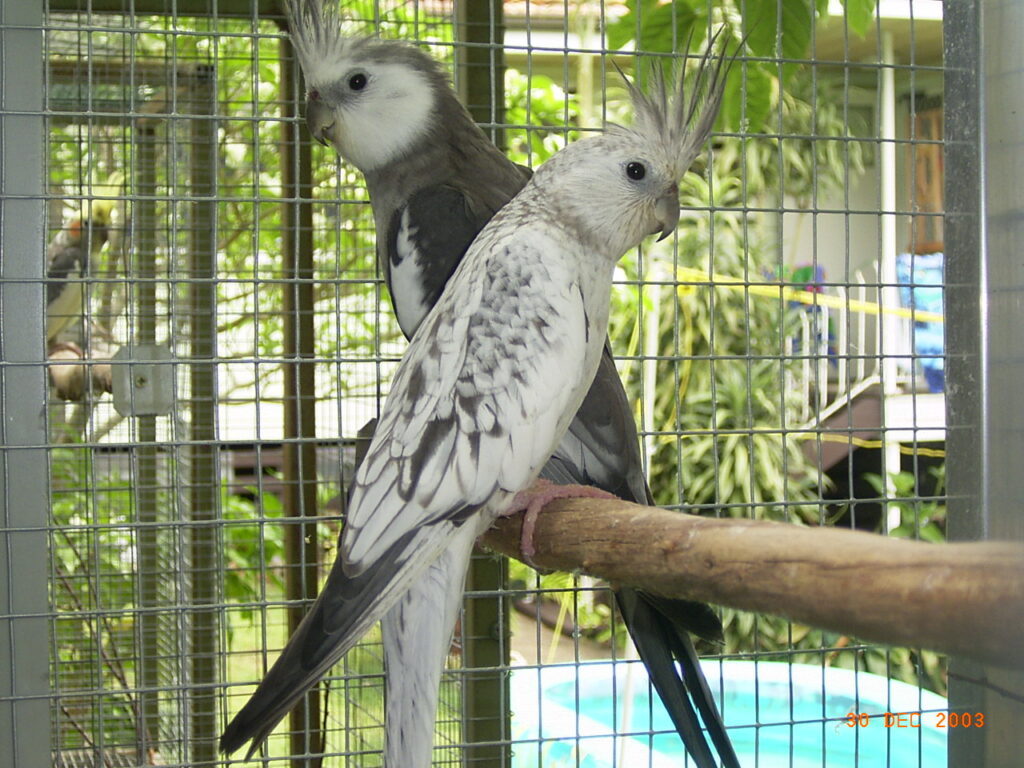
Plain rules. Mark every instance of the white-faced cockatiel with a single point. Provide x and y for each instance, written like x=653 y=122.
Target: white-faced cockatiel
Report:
x=67 y=264
x=509 y=367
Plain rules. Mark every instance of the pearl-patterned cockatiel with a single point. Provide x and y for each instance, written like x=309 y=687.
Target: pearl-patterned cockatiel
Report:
x=496 y=379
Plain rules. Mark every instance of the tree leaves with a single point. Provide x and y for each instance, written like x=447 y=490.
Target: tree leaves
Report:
x=771 y=29
x=657 y=26
x=859 y=15
x=774 y=28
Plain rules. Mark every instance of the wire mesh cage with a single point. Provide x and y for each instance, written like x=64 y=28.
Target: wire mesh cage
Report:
x=225 y=334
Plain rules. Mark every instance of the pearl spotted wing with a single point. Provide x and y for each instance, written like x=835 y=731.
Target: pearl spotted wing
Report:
x=492 y=378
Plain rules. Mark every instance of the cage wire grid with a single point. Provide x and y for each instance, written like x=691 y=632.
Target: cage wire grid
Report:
x=233 y=303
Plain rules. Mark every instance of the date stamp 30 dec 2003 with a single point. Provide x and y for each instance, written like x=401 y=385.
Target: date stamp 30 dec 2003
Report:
x=914 y=719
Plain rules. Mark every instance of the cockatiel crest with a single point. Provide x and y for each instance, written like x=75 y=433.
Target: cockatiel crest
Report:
x=629 y=188
x=317 y=30
x=681 y=120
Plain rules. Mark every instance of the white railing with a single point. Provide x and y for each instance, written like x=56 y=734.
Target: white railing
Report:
x=840 y=346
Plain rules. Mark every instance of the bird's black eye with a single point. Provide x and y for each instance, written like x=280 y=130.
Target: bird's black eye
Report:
x=636 y=171
x=357 y=82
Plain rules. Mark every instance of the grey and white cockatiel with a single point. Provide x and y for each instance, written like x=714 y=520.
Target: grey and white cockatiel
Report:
x=434 y=182
x=67 y=264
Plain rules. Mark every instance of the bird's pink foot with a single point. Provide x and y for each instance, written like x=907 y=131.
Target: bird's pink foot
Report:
x=537 y=496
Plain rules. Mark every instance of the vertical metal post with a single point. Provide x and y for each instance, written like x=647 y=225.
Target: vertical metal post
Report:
x=984 y=121
x=24 y=676
x=481 y=62
x=485 y=624
x=204 y=477
x=146 y=483
x=300 y=504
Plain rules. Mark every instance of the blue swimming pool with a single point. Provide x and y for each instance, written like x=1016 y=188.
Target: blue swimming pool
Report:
x=791 y=715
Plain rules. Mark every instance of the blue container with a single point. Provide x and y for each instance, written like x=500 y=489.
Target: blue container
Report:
x=602 y=714
x=922 y=285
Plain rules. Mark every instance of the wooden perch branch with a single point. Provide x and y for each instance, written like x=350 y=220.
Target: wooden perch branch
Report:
x=965 y=599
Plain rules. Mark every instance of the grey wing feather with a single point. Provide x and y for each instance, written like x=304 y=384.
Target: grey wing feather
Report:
x=453 y=432
x=422 y=256
x=660 y=646
x=464 y=423
x=428 y=235
x=65 y=293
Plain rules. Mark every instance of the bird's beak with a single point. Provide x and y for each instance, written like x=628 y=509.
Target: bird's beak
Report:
x=319 y=119
x=666 y=211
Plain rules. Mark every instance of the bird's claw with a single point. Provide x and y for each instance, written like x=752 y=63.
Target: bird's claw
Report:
x=535 y=498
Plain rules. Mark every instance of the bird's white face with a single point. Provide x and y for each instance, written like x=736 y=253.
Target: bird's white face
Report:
x=620 y=191
x=371 y=112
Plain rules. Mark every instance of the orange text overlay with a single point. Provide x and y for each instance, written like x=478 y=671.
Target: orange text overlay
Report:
x=914 y=719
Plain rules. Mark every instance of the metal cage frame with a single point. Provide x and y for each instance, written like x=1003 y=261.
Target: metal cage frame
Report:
x=983 y=94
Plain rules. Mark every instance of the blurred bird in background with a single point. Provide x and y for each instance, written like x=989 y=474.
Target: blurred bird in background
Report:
x=71 y=255
x=67 y=266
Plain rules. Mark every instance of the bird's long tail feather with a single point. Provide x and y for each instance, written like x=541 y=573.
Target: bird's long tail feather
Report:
x=346 y=608
x=592 y=452
x=661 y=642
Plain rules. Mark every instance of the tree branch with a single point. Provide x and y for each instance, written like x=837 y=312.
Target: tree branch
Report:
x=965 y=598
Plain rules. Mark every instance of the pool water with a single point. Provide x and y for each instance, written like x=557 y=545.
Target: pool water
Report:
x=777 y=715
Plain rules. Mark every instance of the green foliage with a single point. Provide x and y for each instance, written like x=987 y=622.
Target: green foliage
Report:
x=402 y=21
x=658 y=26
x=252 y=548
x=251 y=212
x=721 y=398
x=575 y=596
x=921 y=517
x=859 y=15
x=542 y=114
x=723 y=411
x=770 y=29
x=93 y=596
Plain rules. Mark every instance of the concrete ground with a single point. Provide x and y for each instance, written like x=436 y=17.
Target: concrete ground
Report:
x=535 y=643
